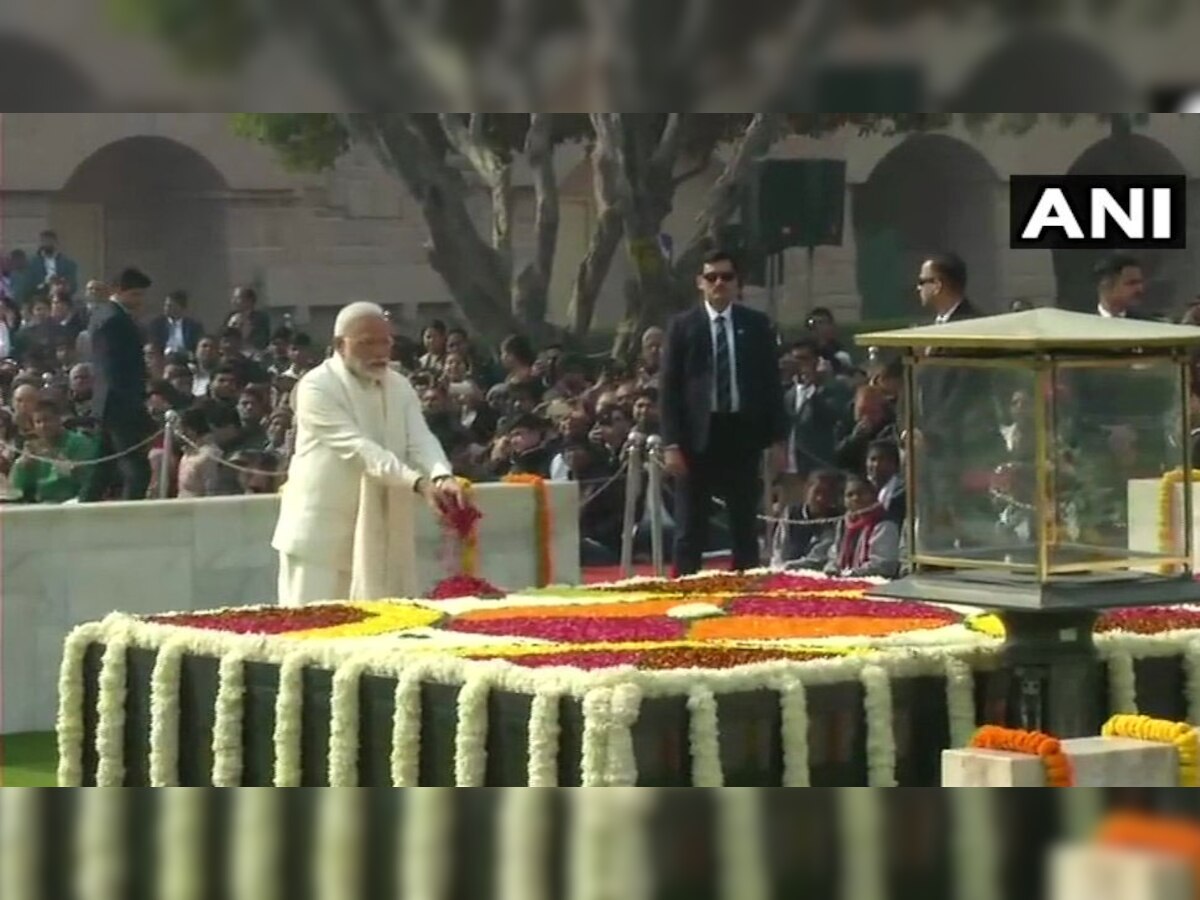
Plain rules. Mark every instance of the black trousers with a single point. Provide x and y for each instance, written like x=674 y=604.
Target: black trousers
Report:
x=130 y=474
x=728 y=469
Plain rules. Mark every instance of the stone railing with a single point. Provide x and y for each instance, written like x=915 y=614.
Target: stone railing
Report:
x=66 y=565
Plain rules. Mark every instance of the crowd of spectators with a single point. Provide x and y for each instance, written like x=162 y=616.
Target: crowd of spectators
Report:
x=515 y=409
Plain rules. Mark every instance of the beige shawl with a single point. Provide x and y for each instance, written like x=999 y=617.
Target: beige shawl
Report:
x=385 y=555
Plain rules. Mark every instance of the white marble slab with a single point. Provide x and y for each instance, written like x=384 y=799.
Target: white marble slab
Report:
x=991 y=768
x=1122 y=762
x=66 y=565
x=1095 y=761
x=1143 y=516
x=1092 y=872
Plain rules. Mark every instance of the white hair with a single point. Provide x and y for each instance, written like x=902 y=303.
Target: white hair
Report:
x=351 y=313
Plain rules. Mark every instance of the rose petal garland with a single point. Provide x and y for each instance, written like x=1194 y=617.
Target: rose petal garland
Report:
x=542 y=522
x=576 y=631
x=460 y=527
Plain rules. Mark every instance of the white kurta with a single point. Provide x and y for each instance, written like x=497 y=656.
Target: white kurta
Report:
x=348 y=502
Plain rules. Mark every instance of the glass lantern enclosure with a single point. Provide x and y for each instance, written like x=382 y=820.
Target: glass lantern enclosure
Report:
x=1023 y=463
x=1031 y=443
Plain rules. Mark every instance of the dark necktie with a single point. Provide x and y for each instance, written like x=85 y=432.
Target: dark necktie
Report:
x=724 y=377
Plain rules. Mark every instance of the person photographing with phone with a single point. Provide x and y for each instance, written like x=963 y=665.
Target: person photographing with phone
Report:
x=721 y=407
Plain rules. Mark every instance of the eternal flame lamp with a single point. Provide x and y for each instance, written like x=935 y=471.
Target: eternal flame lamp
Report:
x=1022 y=436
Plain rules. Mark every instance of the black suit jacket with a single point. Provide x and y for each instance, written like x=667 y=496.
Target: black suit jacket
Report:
x=957 y=406
x=815 y=428
x=686 y=380
x=118 y=367
x=159 y=331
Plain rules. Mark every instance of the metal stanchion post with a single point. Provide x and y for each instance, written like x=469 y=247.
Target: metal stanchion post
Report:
x=768 y=513
x=654 y=472
x=633 y=484
x=167 y=460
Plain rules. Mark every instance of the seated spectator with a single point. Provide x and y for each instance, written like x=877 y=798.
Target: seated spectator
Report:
x=866 y=543
x=225 y=431
x=517 y=359
x=179 y=376
x=602 y=502
x=433 y=338
x=233 y=354
x=25 y=396
x=199 y=470
x=42 y=481
x=302 y=356
x=527 y=453
x=226 y=387
x=261 y=471
x=79 y=400
x=883 y=471
x=37 y=341
x=572 y=428
x=440 y=416
x=824 y=331
x=611 y=431
x=874 y=419
x=476 y=415
x=252 y=410
x=645 y=411
x=807 y=542
x=457 y=374
x=651 y=357
x=277 y=357
x=279 y=426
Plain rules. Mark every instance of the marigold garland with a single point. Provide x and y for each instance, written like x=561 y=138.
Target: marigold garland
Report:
x=1161 y=731
x=1168 y=540
x=1034 y=743
x=542 y=519
x=1176 y=837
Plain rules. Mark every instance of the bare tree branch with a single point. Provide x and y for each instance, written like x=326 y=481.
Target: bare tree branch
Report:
x=725 y=193
x=468 y=140
x=532 y=285
x=699 y=168
x=667 y=150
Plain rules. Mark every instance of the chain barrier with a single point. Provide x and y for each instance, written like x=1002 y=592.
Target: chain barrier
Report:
x=220 y=460
x=9 y=447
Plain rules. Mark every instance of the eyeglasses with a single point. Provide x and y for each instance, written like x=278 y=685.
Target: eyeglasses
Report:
x=714 y=277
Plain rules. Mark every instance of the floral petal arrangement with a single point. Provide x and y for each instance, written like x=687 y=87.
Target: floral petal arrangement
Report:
x=602 y=647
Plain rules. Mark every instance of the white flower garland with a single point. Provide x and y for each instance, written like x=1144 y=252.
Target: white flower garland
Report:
x=338 y=860
x=289 y=712
x=406 y=730
x=976 y=862
x=69 y=725
x=960 y=702
x=99 y=872
x=1122 y=683
x=625 y=705
x=544 y=733
x=110 y=727
x=597 y=710
x=20 y=831
x=587 y=854
x=705 y=738
x=523 y=841
x=227 y=747
x=793 y=710
x=164 y=715
x=255 y=847
x=741 y=845
x=470 y=736
x=427 y=845
x=881 y=742
x=860 y=825
x=343 y=725
x=180 y=844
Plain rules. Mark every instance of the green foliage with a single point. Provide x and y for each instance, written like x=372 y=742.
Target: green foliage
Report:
x=207 y=35
x=304 y=141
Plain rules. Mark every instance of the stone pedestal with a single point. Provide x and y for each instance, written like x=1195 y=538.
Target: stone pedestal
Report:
x=1097 y=762
x=1093 y=872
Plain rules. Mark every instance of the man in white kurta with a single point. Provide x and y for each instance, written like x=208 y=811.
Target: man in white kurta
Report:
x=363 y=457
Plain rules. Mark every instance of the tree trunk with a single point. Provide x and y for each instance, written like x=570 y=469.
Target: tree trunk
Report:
x=472 y=270
x=595 y=265
x=531 y=287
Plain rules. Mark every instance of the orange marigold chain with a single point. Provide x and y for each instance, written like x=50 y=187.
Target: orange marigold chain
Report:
x=1171 y=836
x=1167 y=538
x=1033 y=743
x=1161 y=731
x=543 y=521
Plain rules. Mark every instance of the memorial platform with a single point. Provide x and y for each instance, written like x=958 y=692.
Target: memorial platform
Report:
x=66 y=565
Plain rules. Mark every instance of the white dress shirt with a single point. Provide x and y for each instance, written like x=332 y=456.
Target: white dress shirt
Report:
x=175 y=341
x=735 y=404
x=945 y=317
x=1107 y=313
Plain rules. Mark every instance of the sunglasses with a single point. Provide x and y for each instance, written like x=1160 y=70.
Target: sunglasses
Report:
x=714 y=277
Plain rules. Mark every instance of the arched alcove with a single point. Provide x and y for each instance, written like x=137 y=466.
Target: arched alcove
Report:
x=931 y=193
x=1169 y=273
x=1049 y=72
x=159 y=205
x=36 y=78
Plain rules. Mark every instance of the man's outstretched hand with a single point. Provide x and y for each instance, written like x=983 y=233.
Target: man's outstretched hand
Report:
x=443 y=494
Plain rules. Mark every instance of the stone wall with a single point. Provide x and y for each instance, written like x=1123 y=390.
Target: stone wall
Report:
x=66 y=565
